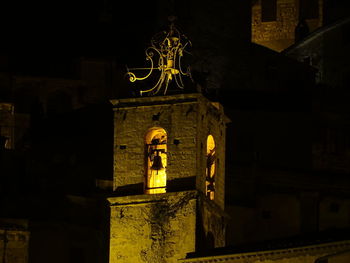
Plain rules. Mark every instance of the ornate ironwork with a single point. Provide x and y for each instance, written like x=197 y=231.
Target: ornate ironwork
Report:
x=164 y=55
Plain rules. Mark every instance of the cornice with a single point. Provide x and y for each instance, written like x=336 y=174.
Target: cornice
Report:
x=275 y=254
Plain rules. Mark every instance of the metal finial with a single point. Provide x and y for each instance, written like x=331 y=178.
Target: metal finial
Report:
x=168 y=47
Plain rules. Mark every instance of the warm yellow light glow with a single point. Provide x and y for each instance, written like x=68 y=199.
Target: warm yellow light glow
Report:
x=210 y=170
x=156 y=150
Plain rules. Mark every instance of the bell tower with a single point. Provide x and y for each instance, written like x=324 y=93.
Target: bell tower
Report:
x=169 y=176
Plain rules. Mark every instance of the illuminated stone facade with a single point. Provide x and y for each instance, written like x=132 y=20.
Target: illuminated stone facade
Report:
x=153 y=228
x=277 y=31
x=14 y=241
x=14 y=247
x=188 y=120
x=164 y=227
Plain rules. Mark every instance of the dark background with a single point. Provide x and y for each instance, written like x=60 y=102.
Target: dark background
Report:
x=276 y=108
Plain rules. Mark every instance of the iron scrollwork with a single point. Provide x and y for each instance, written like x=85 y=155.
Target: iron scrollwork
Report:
x=165 y=54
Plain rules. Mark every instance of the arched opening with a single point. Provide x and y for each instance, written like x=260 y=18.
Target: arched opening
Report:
x=210 y=170
x=156 y=160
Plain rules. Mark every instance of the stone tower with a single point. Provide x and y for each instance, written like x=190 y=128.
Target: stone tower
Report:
x=275 y=22
x=169 y=178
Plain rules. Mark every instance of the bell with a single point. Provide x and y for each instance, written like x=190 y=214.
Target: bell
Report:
x=157 y=163
x=170 y=68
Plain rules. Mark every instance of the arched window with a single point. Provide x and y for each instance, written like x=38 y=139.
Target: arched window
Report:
x=210 y=170
x=156 y=160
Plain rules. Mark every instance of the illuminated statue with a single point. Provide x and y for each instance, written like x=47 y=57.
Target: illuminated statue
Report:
x=165 y=53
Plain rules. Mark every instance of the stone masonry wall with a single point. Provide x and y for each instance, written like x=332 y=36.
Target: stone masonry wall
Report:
x=131 y=126
x=212 y=121
x=279 y=34
x=188 y=119
x=214 y=223
x=152 y=228
x=14 y=246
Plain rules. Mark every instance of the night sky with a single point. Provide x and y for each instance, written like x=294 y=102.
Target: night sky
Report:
x=37 y=34
x=43 y=34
